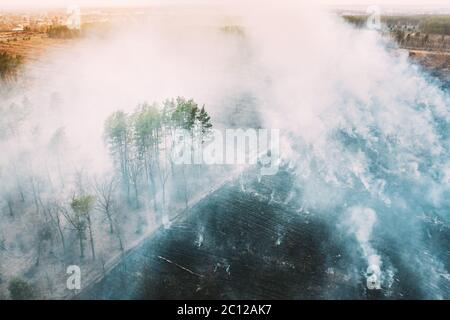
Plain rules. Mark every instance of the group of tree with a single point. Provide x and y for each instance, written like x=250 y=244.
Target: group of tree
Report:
x=59 y=214
x=142 y=146
x=426 y=24
x=439 y=24
x=62 y=32
x=20 y=289
x=51 y=226
x=9 y=65
x=421 y=40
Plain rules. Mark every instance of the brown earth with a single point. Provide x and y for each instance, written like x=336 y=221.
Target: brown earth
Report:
x=436 y=62
x=29 y=45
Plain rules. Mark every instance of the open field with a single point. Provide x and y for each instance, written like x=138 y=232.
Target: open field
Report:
x=29 y=45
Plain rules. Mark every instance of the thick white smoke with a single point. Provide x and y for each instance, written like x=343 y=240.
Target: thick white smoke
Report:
x=363 y=126
x=358 y=120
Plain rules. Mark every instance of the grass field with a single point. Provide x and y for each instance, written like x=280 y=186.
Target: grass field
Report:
x=28 y=45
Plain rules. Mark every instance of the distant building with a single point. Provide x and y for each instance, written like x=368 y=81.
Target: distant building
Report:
x=18 y=28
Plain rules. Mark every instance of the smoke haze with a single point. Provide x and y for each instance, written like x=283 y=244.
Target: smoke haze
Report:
x=365 y=130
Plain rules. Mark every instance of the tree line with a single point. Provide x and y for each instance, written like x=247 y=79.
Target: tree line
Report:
x=9 y=65
x=56 y=215
x=62 y=32
x=142 y=146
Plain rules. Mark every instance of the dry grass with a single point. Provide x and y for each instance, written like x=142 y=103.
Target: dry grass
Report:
x=28 y=45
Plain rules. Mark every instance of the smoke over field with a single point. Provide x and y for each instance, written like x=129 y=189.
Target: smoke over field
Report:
x=86 y=169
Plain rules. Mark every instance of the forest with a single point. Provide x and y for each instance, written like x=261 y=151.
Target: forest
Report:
x=436 y=24
x=54 y=219
x=9 y=65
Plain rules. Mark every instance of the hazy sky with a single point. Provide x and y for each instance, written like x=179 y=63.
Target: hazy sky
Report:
x=60 y=3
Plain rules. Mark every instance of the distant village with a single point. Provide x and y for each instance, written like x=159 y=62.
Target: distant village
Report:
x=30 y=22
x=40 y=21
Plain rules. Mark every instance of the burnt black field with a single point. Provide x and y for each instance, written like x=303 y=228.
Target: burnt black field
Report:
x=247 y=240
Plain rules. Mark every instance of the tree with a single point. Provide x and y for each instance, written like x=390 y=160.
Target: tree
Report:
x=9 y=199
x=9 y=65
x=57 y=145
x=426 y=39
x=205 y=125
x=44 y=234
x=105 y=191
x=56 y=211
x=82 y=207
x=185 y=117
x=142 y=145
x=79 y=225
x=399 y=36
x=188 y=116
x=62 y=32
x=20 y=290
x=146 y=138
x=185 y=113
x=118 y=136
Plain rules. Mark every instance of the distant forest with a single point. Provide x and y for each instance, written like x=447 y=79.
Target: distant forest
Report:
x=436 y=24
x=62 y=32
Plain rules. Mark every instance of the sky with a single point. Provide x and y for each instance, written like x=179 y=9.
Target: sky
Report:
x=61 y=3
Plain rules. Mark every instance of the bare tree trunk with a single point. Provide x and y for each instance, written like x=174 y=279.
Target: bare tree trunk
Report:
x=136 y=193
x=163 y=182
x=39 y=253
x=119 y=237
x=80 y=237
x=186 y=197
x=61 y=234
x=111 y=226
x=153 y=184
x=150 y=179
x=35 y=197
x=19 y=185
x=91 y=237
x=11 y=211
